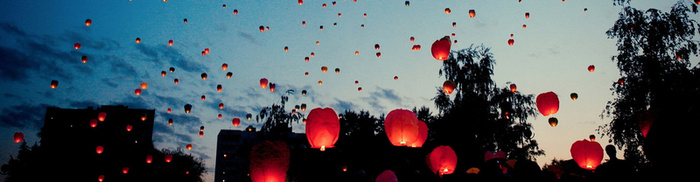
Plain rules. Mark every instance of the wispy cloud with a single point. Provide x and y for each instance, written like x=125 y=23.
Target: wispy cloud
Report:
x=23 y=116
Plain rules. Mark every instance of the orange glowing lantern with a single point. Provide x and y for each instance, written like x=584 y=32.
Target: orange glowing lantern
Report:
x=221 y=105
x=301 y=2
x=101 y=178
x=176 y=81
x=527 y=14
x=236 y=122
x=303 y=92
x=84 y=59
x=54 y=83
x=144 y=85
x=170 y=42
x=587 y=154
x=574 y=96
x=472 y=13
x=149 y=159
x=387 y=175
x=442 y=160
x=163 y=73
x=189 y=146
x=401 y=127
x=269 y=162
x=272 y=87
x=553 y=121
x=93 y=123
x=19 y=136
x=547 y=103
x=219 y=88
x=170 y=121
x=137 y=91
x=76 y=45
x=229 y=74
x=204 y=97
x=138 y=40
x=129 y=127
x=591 y=68
x=224 y=66
x=379 y=54
x=99 y=149
x=168 y=158
x=447 y=11
x=88 y=22
x=511 y=42
x=441 y=48
x=102 y=116
x=204 y=76
x=324 y=69
x=169 y=110
x=248 y=116
x=235 y=11
x=263 y=83
x=125 y=170
x=448 y=86
x=322 y=128
x=513 y=87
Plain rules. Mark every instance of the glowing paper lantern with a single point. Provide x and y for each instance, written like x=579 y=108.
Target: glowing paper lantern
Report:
x=19 y=136
x=144 y=85
x=387 y=176
x=93 y=123
x=137 y=91
x=125 y=170
x=54 y=83
x=422 y=135
x=188 y=108
x=84 y=59
x=269 y=162
x=646 y=120
x=99 y=149
x=76 y=45
x=441 y=48
x=102 y=116
x=149 y=159
x=553 y=121
x=447 y=11
x=170 y=43
x=322 y=128
x=472 y=13
x=129 y=127
x=587 y=154
x=189 y=146
x=248 y=116
x=263 y=83
x=88 y=22
x=513 y=87
x=272 y=87
x=229 y=74
x=224 y=66
x=573 y=96
x=221 y=105
x=591 y=68
x=168 y=158
x=138 y=40
x=101 y=178
x=401 y=127
x=527 y=14
x=442 y=160
x=236 y=122
x=547 y=103
x=511 y=42
x=448 y=86
x=219 y=88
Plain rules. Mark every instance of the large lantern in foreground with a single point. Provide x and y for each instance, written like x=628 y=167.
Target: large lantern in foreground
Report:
x=387 y=176
x=441 y=48
x=401 y=127
x=547 y=103
x=269 y=162
x=236 y=122
x=587 y=154
x=442 y=160
x=422 y=135
x=322 y=128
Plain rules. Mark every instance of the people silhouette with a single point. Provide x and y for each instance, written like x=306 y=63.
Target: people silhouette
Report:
x=614 y=168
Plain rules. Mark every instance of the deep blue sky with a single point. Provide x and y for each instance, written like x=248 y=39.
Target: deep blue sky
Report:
x=551 y=54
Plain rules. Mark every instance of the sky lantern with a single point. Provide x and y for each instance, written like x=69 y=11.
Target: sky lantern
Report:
x=553 y=121
x=448 y=86
x=301 y=2
x=442 y=160
x=221 y=105
x=176 y=81
x=224 y=66
x=235 y=11
x=359 y=89
x=376 y=46
x=379 y=54
x=84 y=59
x=138 y=40
x=201 y=133
x=137 y=91
x=144 y=85
x=19 y=136
x=422 y=134
x=337 y=70
x=269 y=162
x=125 y=170
x=263 y=83
x=236 y=122
x=527 y=14
x=547 y=103
x=573 y=96
x=219 y=88
x=184 y=20
x=441 y=48
x=272 y=87
x=188 y=146
x=324 y=69
x=204 y=76
x=513 y=87
x=447 y=11
x=88 y=22
x=188 y=108
x=170 y=42
x=401 y=127
x=262 y=28
x=93 y=123
x=646 y=120
x=168 y=158
x=248 y=116
x=587 y=154
x=387 y=175
x=129 y=127
x=169 y=110
x=472 y=13
x=229 y=74
x=172 y=69
x=322 y=128
x=170 y=121
x=412 y=39
x=54 y=83
x=206 y=50
x=286 y=48
x=101 y=178
x=220 y=116
x=99 y=149
x=163 y=73
x=204 y=97
x=591 y=68
x=101 y=116
x=149 y=159
x=303 y=92
x=511 y=42
x=76 y=45
x=407 y=3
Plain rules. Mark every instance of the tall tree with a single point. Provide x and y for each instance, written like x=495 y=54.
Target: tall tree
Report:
x=481 y=117
x=657 y=82
x=277 y=122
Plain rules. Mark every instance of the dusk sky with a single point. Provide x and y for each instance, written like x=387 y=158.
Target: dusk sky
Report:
x=552 y=54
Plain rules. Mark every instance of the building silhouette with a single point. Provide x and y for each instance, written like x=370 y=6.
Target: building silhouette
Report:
x=233 y=150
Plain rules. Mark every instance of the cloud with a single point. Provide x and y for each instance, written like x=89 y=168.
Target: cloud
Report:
x=23 y=116
x=16 y=65
x=248 y=37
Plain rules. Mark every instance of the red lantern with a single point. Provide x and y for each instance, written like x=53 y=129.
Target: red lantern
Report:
x=88 y=22
x=168 y=158
x=219 y=88
x=99 y=149
x=646 y=120
x=19 y=136
x=84 y=59
x=322 y=128
x=129 y=127
x=272 y=87
x=101 y=178
x=149 y=159
x=54 y=83
x=170 y=121
x=527 y=14
x=547 y=103
x=76 y=45
x=511 y=42
x=236 y=122
x=170 y=43
x=441 y=48
x=448 y=86
x=269 y=162
x=447 y=11
x=513 y=87
x=138 y=40
x=301 y=2
x=137 y=91
x=93 y=123
x=401 y=127
x=472 y=13
x=221 y=105
x=224 y=66
x=442 y=160
x=125 y=170
x=422 y=135
x=189 y=146
x=587 y=154
x=387 y=176
x=263 y=83
x=591 y=68
x=102 y=116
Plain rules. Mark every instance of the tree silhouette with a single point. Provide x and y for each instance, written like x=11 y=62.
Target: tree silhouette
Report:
x=657 y=82
x=277 y=123
x=481 y=117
